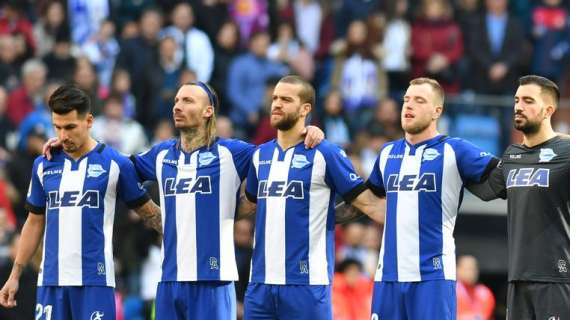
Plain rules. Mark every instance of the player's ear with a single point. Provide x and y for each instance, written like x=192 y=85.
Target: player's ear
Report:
x=437 y=112
x=306 y=109
x=89 y=118
x=208 y=111
x=550 y=109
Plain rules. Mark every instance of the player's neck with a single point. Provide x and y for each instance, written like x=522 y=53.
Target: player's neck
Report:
x=192 y=139
x=89 y=145
x=291 y=137
x=427 y=134
x=544 y=134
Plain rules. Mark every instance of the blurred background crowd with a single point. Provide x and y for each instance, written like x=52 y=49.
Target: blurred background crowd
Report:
x=131 y=56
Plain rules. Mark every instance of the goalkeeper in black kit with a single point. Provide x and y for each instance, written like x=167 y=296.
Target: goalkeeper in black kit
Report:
x=535 y=178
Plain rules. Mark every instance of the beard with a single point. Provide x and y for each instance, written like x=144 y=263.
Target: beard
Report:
x=417 y=128
x=528 y=126
x=287 y=122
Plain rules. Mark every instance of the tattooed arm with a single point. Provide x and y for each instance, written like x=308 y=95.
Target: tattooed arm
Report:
x=150 y=213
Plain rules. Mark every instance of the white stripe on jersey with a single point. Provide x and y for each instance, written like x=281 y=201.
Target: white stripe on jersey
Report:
x=108 y=218
x=186 y=251
x=70 y=221
x=158 y=165
x=407 y=221
x=255 y=162
x=275 y=248
x=40 y=173
x=319 y=194
x=382 y=163
x=229 y=181
x=450 y=189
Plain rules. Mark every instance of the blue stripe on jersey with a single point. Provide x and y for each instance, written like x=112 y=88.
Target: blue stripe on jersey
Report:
x=93 y=260
x=169 y=264
x=51 y=247
x=390 y=263
x=258 y=258
x=208 y=218
x=297 y=224
x=430 y=217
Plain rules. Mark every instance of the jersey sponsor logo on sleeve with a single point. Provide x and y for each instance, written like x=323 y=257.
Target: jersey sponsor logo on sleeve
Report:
x=90 y=199
x=202 y=184
x=411 y=182
x=281 y=189
x=528 y=177
x=205 y=158
x=483 y=154
x=95 y=170
x=430 y=154
x=299 y=161
x=97 y=315
x=546 y=154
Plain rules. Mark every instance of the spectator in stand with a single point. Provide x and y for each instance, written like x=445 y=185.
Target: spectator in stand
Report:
x=351 y=247
x=396 y=47
x=127 y=11
x=245 y=87
x=226 y=50
x=352 y=10
x=170 y=69
x=386 y=119
x=113 y=129
x=334 y=121
x=551 y=35
x=39 y=117
x=209 y=14
x=163 y=131
x=371 y=241
x=86 y=79
x=251 y=17
x=437 y=44
x=288 y=50
x=139 y=56
x=308 y=16
x=14 y=22
x=52 y=19
x=5 y=124
x=264 y=131
x=85 y=18
x=475 y=301
x=497 y=49
x=358 y=74
x=351 y=292
x=8 y=65
x=59 y=61
x=224 y=127
x=194 y=46
x=24 y=99
x=121 y=85
x=102 y=50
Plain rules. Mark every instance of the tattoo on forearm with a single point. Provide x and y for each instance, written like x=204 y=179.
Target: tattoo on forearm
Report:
x=246 y=209
x=150 y=213
x=347 y=213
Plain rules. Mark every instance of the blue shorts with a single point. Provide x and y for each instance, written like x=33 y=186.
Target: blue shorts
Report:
x=75 y=302
x=426 y=300
x=211 y=300
x=268 y=301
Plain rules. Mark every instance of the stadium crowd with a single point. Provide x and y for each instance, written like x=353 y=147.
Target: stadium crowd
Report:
x=132 y=55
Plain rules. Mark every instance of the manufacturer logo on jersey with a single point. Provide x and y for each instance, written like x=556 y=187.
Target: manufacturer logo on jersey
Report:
x=281 y=189
x=395 y=156
x=264 y=162
x=436 y=263
x=515 y=156
x=170 y=161
x=89 y=198
x=411 y=182
x=546 y=154
x=554 y=318
x=430 y=154
x=95 y=170
x=299 y=161
x=201 y=184
x=562 y=268
x=50 y=172
x=97 y=315
x=304 y=267
x=528 y=177
x=100 y=268
x=214 y=263
x=206 y=158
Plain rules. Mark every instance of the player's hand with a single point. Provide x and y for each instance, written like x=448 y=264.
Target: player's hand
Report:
x=51 y=143
x=313 y=136
x=8 y=293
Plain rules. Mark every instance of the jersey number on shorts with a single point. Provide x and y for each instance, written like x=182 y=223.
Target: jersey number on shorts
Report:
x=43 y=310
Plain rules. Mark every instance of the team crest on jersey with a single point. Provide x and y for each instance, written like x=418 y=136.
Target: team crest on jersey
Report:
x=206 y=158
x=95 y=170
x=214 y=263
x=299 y=161
x=430 y=154
x=546 y=154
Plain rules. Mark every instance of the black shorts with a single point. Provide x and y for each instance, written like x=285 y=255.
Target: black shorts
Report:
x=538 y=300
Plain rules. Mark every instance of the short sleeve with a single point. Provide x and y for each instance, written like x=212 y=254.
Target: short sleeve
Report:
x=145 y=163
x=340 y=173
x=36 y=197
x=252 y=181
x=375 y=181
x=241 y=153
x=473 y=163
x=130 y=188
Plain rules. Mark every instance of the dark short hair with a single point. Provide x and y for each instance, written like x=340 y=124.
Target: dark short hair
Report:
x=307 y=92
x=546 y=86
x=347 y=263
x=67 y=98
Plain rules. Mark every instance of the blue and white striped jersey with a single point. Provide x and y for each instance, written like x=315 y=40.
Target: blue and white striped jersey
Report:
x=198 y=200
x=294 y=230
x=78 y=199
x=423 y=184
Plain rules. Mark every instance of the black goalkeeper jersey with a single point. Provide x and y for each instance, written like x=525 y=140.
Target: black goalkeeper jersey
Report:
x=537 y=185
